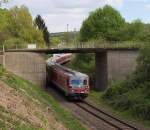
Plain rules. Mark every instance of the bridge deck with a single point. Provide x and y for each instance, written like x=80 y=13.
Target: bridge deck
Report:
x=71 y=50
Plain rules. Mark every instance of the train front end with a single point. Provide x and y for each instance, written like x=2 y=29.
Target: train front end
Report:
x=78 y=86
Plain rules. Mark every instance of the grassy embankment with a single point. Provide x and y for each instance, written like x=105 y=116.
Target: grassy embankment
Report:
x=129 y=98
x=127 y=115
x=132 y=95
x=39 y=101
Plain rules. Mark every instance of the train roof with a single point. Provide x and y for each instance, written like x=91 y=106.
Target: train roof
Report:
x=65 y=69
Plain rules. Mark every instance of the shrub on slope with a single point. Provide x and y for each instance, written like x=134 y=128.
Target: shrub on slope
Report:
x=133 y=94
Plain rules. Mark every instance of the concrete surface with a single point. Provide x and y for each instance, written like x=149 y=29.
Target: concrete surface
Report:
x=30 y=66
x=111 y=65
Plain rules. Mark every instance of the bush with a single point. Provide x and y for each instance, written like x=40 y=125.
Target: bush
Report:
x=13 y=43
x=113 y=90
x=133 y=94
x=142 y=110
x=84 y=63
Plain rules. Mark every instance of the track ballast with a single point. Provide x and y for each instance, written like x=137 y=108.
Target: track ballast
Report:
x=107 y=118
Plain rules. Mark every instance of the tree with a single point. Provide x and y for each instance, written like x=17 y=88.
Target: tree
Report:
x=3 y=1
x=55 y=40
x=16 y=28
x=4 y=23
x=21 y=26
x=102 y=23
x=39 y=22
x=135 y=31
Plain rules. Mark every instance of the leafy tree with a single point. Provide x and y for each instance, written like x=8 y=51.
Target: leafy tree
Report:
x=132 y=31
x=20 y=20
x=135 y=31
x=104 y=23
x=22 y=26
x=4 y=22
x=145 y=34
x=55 y=40
x=16 y=25
x=41 y=26
x=3 y=1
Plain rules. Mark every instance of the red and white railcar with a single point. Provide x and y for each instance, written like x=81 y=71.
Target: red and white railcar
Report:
x=73 y=83
x=61 y=58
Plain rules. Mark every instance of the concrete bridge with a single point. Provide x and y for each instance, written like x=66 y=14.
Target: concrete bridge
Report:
x=110 y=64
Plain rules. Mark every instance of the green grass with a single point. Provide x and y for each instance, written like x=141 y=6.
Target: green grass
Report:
x=97 y=98
x=6 y=121
x=37 y=93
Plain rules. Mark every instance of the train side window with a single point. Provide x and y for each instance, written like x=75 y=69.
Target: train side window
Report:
x=55 y=75
x=85 y=82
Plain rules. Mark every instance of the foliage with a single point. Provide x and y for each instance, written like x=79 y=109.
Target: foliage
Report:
x=102 y=23
x=38 y=94
x=135 y=31
x=107 y=23
x=39 y=22
x=133 y=94
x=84 y=63
x=13 y=42
x=17 y=23
x=55 y=40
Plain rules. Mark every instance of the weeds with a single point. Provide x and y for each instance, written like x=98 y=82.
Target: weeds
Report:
x=35 y=92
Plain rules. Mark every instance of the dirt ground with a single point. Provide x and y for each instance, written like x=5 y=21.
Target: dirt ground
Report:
x=27 y=110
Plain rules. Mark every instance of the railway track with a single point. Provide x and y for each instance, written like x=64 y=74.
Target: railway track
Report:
x=101 y=115
x=95 y=118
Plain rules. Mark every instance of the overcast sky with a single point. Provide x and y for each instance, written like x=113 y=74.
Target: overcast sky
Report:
x=58 y=13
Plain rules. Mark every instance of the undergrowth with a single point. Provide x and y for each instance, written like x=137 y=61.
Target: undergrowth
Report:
x=133 y=94
x=43 y=97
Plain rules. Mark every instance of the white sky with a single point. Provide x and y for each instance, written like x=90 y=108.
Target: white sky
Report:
x=58 y=13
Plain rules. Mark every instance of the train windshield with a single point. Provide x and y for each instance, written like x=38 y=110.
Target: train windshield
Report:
x=78 y=82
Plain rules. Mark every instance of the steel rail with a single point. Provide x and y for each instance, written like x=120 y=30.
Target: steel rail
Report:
x=106 y=114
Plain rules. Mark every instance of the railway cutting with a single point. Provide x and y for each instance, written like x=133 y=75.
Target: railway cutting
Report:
x=75 y=84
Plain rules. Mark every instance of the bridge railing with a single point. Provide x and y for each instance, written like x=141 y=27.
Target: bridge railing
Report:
x=88 y=45
x=101 y=45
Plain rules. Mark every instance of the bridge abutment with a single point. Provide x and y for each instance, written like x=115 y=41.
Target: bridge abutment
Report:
x=113 y=65
x=30 y=66
x=101 y=71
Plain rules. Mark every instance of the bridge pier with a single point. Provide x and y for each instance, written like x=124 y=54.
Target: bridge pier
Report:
x=101 y=71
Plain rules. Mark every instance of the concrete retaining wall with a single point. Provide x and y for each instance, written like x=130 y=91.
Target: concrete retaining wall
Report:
x=30 y=66
x=120 y=64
